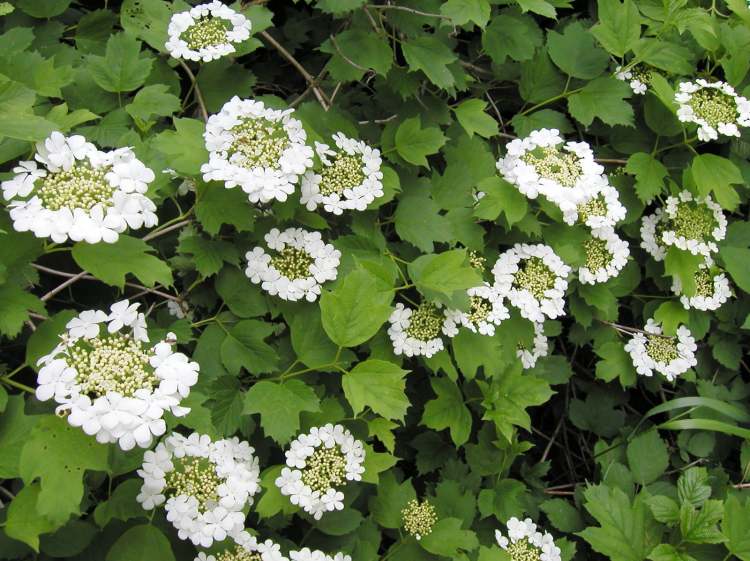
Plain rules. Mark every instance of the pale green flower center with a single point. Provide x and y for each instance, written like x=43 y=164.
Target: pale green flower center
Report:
x=479 y=310
x=82 y=186
x=206 y=32
x=593 y=207
x=418 y=518
x=704 y=283
x=239 y=553
x=324 y=469
x=714 y=106
x=425 y=322
x=344 y=173
x=112 y=363
x=293 y=263
x=533 y=275
x=597 y=254
x=195 y=477
x=523 y=550
x=693 y=221
x=258 y=143
x=554 y=164
x=477 y=261
x=641 y=73
x=662 y=349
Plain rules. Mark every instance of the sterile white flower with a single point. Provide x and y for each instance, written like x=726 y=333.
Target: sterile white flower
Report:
x=540 y=348
x=245 y=547
x=606 y=255
x=602 y=209
x=651 y=351
x=693 y=224
x=306 y=554
x=417 y=332
x=487 y=310
x=525 y=543
x=637 y=77
x=319 y=464
x=712 y=288
x=714 y=106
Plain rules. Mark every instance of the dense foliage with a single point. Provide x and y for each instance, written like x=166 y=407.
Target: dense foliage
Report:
x=440 y=425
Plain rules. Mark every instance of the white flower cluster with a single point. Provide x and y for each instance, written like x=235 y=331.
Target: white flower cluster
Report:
x=651 y=351
x=606 y=255
x=636 y=77
x=262 y=150
x=534 y=279
x=544 y=164
x=112 y=385
x=319 y=464
x=246 y=547
x=79 y=192
x=302 y=263
x=540 y=348
x=204 y=485
x=600 y=211
x=487 y=310
x=417 y=332
x=524 y=542
x=306 y=554
x=206 y=32
x=714 y=106
x=712 y=288
x=350 y=178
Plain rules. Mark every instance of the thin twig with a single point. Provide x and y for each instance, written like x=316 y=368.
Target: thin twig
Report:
x=296 y=101
x=552 y=440
x=157 y=233
x=196 y=89
x=346 y=58
x=610 y=161
x=410 y=10
x=379 y=121
x=63 y=285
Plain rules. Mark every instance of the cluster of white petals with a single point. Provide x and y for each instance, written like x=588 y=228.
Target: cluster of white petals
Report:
x=533 y=279
x=79 y=192
x=487 y=311
x=262 y=150
x=350 y=178
x=606 y=254
x=714 y=106
x=227 y=476
x=524 y=542
x=206 y=32
x=110 y=384
x=601 y=210
x=634 y=80
x=669 y=356
x=540 y=348
x=418 y=332
x=712 y=288
x=319 y=464
x=306 y=554
x=303 y=262
x=544 y=164
x=245 y=546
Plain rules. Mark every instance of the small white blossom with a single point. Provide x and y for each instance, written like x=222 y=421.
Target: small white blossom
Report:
x=417 y=332
x=487 y=310
x=606 y=255
x=637 y=78
x=669 y=356
x=206 y=32
x=528 y=357
x=714 y=106
x=525 y=543
x=712 y=288
x=245 y=547
x=319 y=464
x=204 y=485
x=306 y=554
x=301 y=264
x=601 y=210
x=651 y=226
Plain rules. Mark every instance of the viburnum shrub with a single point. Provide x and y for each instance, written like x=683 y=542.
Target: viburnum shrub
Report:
x=387 y=280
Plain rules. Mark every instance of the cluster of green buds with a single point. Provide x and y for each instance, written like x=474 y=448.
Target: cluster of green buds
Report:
x=194 y=476
x=479 y=309
x=418 y=518
x=597 y=254
x=533 y=275
x=693 y=221
x=206 y=32
x=662 y=348
x=324 y=469
x=238 y=553
x=259 y=142
x=523 y=550
x=82 y=186
x=554 y=164
x=345 y=172
x=425 y=322
x=595 y=206
x=714 y=106
x=292 y=262
x=477 y=261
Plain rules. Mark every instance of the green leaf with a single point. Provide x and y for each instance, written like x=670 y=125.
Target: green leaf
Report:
x=141 y=542
x=218 y=205
x=682 y=265
x=377 y=384
x=353 y=312
x=462 y=12
x=619 y=26
x=602 y=98
x=272 y=501
x=279 y=406
x=667 y=552
x=366 y=50
x=448 y=411
x=447 y=538
x=735 y=262
x=649 y=175
x=414 y=143
x=693 y=486
x=664 y=55
x=123 y=68
x=671 y=314
x=153 y=100
x=563 y=515
x=471 y=114
x=664 y=509
x=47 y=455
x=184 y=147
x=511 y=34
x=15 y=426
x=418 y=219
x=736 y=527
x=26 y=127
x=209 y=256
x=46 y=9
x=500 y=197
x=309 y=340
x=15 y=304
x=111 y=263
x=242 y=298
x=392 y=497
x=46 y=337
x=121 y=505
x=226 y=403
x=701 y=525
x=615 y=362
x=716 y=175
x=575 y=52
x=444 y=276
x=430 y=55
x=244 y=347
x=24 y=522
x=648 y=457
x=338 y=7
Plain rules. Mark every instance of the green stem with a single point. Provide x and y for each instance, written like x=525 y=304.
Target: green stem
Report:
x=18 y=385
x=550 y=100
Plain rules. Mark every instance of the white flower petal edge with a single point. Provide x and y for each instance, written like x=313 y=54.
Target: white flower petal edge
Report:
x=101 y=220
x=262 y=184
x=614 y=213
x=645 y=365
x=246 y=543
x=235 y=466
x=291 y=483
x=355 y=197
x=650 y=241
x=552 y=303
x=708 y=131
x=616 y=247
x=528 y=357
x=530 y=183
x=323 y=267
x=307 y=554
x=181 y=22
x=129 y=420
x=519 y=530
x=408 y=345
x=717 y=281
x=495 y=315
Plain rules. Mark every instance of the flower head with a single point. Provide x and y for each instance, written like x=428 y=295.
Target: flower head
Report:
x=206 y=32
x=418 y=518
x=245 y=547
x=301 y=264
x=714 y=106
x=486 y=311
x=111 y=382
x=204 y=485
x=416 y=332
x=260 y=149
x=349 y=179
x=525 y=543
x=606 y=255
x=79 y=193
x=319 y=464
x=600 y=210
x=652 y=351
x=693 y=224
x=306 y=554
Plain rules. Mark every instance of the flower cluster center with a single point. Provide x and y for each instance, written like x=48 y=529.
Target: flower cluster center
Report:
x=477 y=261
x=597 y=254
x=113 y=363
x=425 y=322
x=195 y=477
x=554 y=164
x=662 y=349
x=324 y=469
x=533 y=275
x=480 y=309
x=523 y=550
x=258 y=143
x=596 y=206
x=82 y=186
x=693 y=221
x=206 y=32
x=714 y=106
x=418 y=518
x=344 y=173
x=292 y=262
x=704 y=283
x=239 y=553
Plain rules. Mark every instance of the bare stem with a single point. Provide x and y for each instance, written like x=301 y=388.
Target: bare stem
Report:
x=196 y=89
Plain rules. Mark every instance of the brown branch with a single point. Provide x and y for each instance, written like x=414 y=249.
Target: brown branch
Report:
x=409 y=10
x=196 y=89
